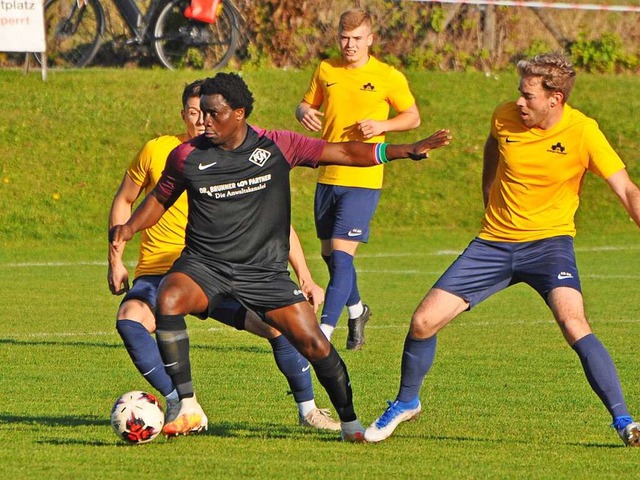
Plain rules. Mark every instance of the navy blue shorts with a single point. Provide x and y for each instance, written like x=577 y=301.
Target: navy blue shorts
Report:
x=229 y=311
x=486 y=267
x=344 y=212
x=145 y=289
x=257 y=288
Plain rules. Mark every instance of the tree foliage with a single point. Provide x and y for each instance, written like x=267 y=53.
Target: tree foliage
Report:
x=438 y=36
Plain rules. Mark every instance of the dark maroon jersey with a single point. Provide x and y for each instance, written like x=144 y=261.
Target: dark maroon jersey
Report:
x=240 y=200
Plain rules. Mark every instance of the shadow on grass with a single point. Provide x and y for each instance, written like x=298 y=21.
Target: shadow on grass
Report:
x=270 y=431
x=266 y=431
x=50 y=421
x=255 y=430
x=85 y=443
x=247 y=430
x=53 y=343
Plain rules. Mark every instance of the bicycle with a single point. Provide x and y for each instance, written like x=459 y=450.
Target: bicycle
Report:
x=75 y=29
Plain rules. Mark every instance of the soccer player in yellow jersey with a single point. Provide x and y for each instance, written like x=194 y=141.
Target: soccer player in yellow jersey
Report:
x=535 y=158
x=356 y=93
x=160 y=245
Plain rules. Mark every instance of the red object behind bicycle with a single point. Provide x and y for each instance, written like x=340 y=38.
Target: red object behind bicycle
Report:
x=205 y=11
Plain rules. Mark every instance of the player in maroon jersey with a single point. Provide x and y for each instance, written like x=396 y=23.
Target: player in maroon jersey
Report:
x=237 y=244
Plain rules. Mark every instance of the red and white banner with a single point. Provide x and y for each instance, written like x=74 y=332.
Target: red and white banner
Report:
x=21 y=26
x=559 y=5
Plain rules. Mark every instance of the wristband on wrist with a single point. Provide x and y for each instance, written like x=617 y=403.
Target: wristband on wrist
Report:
x=380 y=153
x=418 y=156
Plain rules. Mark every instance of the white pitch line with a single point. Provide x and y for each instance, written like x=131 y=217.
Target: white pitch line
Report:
x=404 y=326
x=606 y=248
x=364 y=271
x=397 y=272
x=61 y=334
x=610 y=277
x=436 y=253
x=440 y=253
x=60 y=264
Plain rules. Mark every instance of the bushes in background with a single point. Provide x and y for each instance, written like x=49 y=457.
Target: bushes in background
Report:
x=435 y=36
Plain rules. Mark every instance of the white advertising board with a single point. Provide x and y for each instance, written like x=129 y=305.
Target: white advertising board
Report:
x=21 y=26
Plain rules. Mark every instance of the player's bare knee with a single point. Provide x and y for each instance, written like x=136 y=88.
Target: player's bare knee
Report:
x=171 y=302
x=574 y=328
x=421 y=327
x=423 y=334
x=133 y=309
x=314 y=347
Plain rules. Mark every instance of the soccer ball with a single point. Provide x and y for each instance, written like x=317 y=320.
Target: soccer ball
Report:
x=137 y=417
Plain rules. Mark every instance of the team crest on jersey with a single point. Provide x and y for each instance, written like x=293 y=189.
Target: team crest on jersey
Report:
x=259 y=156
x=557 y=148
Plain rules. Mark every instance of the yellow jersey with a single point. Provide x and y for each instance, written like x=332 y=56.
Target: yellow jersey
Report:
x=536 y=191
x=161 y=244
x=348 y=96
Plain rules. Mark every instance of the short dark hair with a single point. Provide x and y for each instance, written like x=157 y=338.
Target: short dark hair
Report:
x=232 y=88
x=191 y=90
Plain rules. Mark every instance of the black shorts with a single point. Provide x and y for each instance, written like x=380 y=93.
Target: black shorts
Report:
x=258 y=288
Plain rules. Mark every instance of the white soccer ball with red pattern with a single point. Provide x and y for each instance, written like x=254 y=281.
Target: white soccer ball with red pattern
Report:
x=137 y=417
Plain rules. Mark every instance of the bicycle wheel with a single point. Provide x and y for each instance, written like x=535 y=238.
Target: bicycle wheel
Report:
x=74 y=31
x=183 y=43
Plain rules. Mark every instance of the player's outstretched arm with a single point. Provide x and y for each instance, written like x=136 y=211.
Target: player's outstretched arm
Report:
x=628 y=192
x=146 y=215
x=358 y=154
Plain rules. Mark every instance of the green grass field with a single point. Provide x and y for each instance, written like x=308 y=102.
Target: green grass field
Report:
x=506 y=397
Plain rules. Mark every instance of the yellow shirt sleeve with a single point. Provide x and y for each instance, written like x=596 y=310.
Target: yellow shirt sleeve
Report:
x=161 y=244
x=314 y=96
x=603 y=160
x=138 y=169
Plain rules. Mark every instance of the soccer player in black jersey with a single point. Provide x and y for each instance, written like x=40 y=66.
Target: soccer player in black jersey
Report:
x=237 y=244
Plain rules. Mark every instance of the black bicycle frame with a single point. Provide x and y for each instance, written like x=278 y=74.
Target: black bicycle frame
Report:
x=135 y=20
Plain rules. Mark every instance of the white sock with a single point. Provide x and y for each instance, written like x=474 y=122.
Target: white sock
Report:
x=306 y=407
x=327 y=330
x=356 y=310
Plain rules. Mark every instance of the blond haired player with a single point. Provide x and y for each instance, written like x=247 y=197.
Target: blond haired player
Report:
x=535 y=159
x=356 y=93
